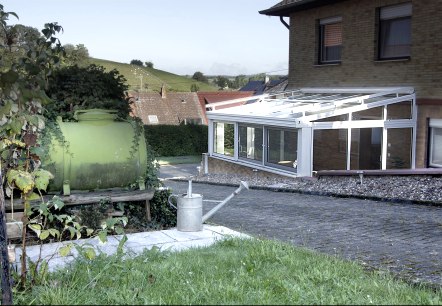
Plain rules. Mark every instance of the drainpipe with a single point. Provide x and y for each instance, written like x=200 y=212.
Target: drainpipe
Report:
x=284 y=22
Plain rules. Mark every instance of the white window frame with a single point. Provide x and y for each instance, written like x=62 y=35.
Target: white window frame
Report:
x=434 y=124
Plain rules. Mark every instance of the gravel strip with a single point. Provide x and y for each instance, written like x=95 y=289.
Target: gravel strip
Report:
x=423 y=189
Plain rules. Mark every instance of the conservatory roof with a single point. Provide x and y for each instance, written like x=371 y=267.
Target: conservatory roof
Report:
x=304 y=105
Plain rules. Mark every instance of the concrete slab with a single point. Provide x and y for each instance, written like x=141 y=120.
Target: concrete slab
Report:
x=172 y=240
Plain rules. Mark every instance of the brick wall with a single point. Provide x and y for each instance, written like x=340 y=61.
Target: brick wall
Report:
x=359 y=66
x=224 y=167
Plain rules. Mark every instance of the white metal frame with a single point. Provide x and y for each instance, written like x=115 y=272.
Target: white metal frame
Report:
x=434 y=124
x=299 y=109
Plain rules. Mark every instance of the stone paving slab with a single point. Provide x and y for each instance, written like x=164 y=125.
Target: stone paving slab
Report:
x=401 y=237
x=172 y=240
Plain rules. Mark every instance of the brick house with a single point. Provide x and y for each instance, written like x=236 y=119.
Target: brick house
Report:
x=366 y=81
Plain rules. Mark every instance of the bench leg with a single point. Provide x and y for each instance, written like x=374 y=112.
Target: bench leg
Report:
x=147 y=211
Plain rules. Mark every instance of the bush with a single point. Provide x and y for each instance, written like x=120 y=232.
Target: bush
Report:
x=177 y=140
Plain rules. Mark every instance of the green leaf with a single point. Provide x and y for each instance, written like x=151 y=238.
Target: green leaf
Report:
x=119 y=230
x=22 y=180
x=36 y=228
x=90 y=253
x=89 y=231
x=44 y=234
x=102 y=235
x=42 y=178
x=54 y=232
x=64 y=251
x=71 y=231
x=58 y=203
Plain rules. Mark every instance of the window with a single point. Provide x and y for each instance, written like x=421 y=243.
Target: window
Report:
x=153 y=119
x=330 y=38
x=224 y=138
x=435 y=143
x=250 y=143
x=282 y=148
x=395 y=31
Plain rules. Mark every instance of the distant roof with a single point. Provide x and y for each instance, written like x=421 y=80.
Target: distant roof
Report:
x=284 y=8
x=174 y=108
x=257 y=87
x=260 y=87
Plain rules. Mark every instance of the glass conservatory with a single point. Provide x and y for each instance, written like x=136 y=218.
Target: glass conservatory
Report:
x=298 y=132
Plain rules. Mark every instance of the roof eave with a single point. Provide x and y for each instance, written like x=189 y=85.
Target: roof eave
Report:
x=286 y=10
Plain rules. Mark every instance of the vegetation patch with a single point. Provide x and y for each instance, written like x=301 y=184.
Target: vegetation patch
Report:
x=233 y=271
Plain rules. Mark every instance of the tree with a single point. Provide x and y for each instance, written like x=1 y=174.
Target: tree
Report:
x=136 y=62
x=25 y=65
x=199 y=76
x=76 y=55
x=223 y=82
x=148 y=64
x=194 y=88
x=239 y=81
x=74 y=88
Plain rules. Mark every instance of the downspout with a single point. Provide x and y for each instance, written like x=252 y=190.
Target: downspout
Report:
x=284 y=22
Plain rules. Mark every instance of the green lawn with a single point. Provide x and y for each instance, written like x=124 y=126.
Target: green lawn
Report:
x=233 y=271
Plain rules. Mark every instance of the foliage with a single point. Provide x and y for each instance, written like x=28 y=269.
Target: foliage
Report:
x=233 y=271
x=194 y=88
x=223 y=82
x=148 y=64
x=136 y=62
x=199 y=76
x=76 y=55
x=177 y=140
x=160 y=209
x=239 y=82
x=76 y=88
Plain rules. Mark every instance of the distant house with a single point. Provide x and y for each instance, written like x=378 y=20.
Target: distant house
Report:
x=210 y=97
x=364 y=93
x=172 y=108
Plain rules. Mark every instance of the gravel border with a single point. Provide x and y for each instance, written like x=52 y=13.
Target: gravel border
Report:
x=415 y=189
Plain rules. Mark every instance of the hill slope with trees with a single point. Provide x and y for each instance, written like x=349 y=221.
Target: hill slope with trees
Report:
x=151 y=79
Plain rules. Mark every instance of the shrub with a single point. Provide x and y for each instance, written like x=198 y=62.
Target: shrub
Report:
x=177 y=140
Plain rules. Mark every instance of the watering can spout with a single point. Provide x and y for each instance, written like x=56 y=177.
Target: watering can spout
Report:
x=243 y=185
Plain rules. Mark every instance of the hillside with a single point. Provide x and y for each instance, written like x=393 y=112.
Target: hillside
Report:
x=151 y=78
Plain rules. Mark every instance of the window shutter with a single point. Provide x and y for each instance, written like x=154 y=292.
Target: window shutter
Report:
x=396 y=11
x=333 y=35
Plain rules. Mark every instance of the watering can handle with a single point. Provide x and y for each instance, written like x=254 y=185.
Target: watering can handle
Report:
x=169 y=198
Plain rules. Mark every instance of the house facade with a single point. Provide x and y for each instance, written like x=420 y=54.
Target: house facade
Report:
x=360 y=43
x=364 y=93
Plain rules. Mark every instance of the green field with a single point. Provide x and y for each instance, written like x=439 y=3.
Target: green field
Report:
x=152 y=79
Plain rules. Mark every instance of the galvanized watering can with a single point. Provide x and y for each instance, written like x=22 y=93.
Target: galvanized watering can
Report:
x=190 y=208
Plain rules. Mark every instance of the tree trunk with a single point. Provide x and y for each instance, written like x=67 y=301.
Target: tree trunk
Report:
x=5 y=273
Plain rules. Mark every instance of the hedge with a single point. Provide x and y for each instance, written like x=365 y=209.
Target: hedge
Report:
x=177 y=140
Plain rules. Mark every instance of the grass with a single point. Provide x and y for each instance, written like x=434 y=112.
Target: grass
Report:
x=232 y=271
x=174 y=160
x=153 y=78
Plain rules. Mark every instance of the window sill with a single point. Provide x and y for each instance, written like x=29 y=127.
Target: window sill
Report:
x=393 y=60
x=327 y=64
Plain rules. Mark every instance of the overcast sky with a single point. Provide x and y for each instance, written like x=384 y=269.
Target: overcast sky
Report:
x=180 y=36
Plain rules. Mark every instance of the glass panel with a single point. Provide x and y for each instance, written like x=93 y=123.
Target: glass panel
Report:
x=369 y=114
x=399 y=110
x=436 y=147
x=224 y=138
x=250 y=143
x=334 y=118
x=395 y=38
x=366 y=149
x=399 y=148
x=282 y=148
x=330 y=150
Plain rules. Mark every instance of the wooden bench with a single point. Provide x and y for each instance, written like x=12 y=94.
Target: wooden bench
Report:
x=15 y=225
